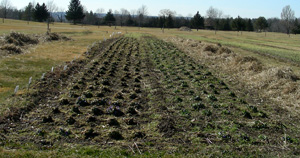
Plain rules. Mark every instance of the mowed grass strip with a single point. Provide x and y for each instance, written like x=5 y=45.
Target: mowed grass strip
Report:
x=275 y=44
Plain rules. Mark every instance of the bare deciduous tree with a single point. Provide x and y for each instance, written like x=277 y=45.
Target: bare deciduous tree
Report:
x=117 y=16
x=142 y=13
x=51 y=6
x=60 y=14
x=163 y=14
x=213 y=15
x=123 y=16
x=98 y=12
x=287 y=17
x=166 y=12
x=5 y=6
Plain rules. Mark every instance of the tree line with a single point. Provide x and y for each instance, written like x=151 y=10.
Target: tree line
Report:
x=213 y=20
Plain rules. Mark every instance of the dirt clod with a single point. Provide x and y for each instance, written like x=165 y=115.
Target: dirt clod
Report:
x=47 y=119
x=90 y=134
x=113 y=122
x=97 y=111
x=71 y=121
x=116 y=135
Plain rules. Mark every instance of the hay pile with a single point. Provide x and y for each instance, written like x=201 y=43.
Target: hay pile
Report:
x=55 y=37
x=184 y=28
x=17 y=43
x=279 y=84
x=20 y=39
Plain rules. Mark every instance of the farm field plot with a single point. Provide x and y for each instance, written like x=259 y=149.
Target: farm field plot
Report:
x=142 y=96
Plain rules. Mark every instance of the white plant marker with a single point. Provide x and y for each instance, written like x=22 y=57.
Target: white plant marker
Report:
x=65 y=67
x=43 y=76
x=30 y=80
x=52 y=69
x=16 y=89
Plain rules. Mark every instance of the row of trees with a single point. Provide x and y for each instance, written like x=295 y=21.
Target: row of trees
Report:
x=214 y=18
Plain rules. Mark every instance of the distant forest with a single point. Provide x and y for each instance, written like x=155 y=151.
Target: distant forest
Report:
x=214 y=19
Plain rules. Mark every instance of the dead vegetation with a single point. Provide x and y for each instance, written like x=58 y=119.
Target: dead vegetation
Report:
x=17 y=43
x=184 y=28
x=279 y=84
x=55 y=37
x=20 y=39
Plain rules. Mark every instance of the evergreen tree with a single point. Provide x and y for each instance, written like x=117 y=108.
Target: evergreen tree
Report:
x=296 y=28
x=75 y=12
x=129 y=21
x=226 y=25
x=198 y=21
x=28 y=13
x=109 y=18
x=249 y=25
x=162 y=21
x=170 y=21
x=40 y=12
x=261 y=23
x=238 y=24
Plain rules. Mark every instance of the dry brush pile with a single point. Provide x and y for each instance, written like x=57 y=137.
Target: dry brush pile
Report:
x=279 y=84
x=17 y=43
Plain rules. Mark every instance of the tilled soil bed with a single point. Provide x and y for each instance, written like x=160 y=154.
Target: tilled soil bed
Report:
x=144 y=95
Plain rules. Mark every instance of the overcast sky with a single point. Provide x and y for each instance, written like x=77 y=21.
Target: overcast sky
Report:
x=233 y=8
